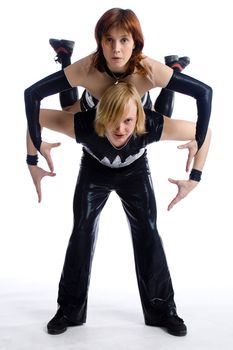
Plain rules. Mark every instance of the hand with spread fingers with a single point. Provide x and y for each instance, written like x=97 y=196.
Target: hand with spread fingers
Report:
x=37 y=175
x=184 y=187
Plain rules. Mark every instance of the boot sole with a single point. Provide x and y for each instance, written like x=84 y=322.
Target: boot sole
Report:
x=180 y=333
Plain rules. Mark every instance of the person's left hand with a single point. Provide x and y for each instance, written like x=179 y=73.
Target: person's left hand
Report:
x=37 y=175
x=192 y=150
x=184 y=187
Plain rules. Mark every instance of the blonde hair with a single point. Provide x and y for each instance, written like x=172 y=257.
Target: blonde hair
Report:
x=111 y=107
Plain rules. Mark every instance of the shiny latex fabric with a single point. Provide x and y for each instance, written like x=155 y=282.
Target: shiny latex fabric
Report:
x=164 y=103
x=134 y=187
x=184 y=84
x=68 y=97
x=33 y=95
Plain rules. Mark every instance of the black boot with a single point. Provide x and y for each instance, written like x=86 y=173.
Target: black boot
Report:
x=176 y=62
x=59 y=323
x=170 y=321
x=62 y=47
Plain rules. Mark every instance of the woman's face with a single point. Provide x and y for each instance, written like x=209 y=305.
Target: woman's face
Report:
x=119 y=134
x=117 y=48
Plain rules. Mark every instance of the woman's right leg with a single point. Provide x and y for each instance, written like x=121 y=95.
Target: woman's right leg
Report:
x=64 y=50
x=153 y=276
x=154 y=281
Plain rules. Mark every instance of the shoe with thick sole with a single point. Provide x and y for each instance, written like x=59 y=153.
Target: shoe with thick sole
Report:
x=61 y=47
x=176 y=62
x=171 y=59
x=172 y=323
x=59 y=323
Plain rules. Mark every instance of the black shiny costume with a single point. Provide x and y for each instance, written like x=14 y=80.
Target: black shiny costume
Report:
x=132 y=182
x=130 y=178
x=134 y=187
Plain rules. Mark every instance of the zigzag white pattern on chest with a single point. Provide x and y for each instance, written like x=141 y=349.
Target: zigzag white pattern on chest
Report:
x=117 y=162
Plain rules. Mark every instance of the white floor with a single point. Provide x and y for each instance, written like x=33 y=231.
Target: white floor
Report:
x=114 y=322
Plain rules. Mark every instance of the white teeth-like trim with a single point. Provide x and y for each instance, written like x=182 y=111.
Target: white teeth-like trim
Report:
x=117 y=162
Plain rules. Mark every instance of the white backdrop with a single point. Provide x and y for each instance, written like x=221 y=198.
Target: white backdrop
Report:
x=197 y=233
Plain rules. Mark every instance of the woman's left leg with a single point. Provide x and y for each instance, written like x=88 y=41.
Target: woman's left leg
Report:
x=152 y=271
x=153 y=276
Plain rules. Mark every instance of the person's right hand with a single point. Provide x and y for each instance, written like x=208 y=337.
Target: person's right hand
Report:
x=37 y=175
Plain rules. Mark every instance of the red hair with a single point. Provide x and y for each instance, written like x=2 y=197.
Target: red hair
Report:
x=128 y=21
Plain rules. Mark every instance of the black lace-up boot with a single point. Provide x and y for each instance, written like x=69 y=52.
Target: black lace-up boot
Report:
x=59 y=323
x=171 y=322
x=62 y=48
x=176 y=62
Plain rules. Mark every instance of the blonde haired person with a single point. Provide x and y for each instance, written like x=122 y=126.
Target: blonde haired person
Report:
x=110 y=110
x=114 y=139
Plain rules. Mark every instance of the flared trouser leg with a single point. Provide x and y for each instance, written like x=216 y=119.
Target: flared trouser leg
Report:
x=89 y=200
x=153 y=276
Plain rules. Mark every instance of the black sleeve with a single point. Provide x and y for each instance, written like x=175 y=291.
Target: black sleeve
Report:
x=184 y=84
x=84 y=125
x=33 y=95
x=154 y=126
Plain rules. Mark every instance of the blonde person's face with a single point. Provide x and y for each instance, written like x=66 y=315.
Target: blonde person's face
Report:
x=119 y=134
x=117 y=48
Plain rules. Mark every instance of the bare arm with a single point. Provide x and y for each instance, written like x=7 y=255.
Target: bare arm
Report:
x=182 y=130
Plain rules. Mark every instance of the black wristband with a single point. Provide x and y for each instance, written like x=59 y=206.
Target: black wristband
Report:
x=195 y=175
x=32 y=160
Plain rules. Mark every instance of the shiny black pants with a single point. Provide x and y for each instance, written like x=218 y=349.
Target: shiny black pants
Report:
x=134 y=187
